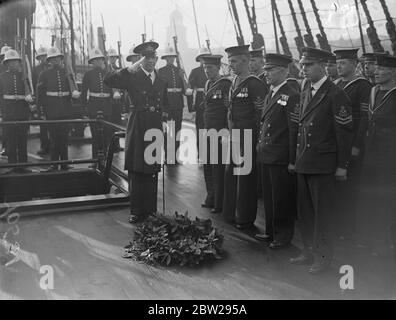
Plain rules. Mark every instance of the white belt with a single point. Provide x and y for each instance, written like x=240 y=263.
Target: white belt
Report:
x=99 y=95
x=13 y=97
x=174 y=90
x=58 y=94
x=200 y=89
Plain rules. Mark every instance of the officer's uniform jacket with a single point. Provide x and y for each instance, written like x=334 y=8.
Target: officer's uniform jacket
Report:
x=197 y=81
x=54 y=93
x=150 y=103
x=12 y=97
x=246 y=103
x=95 y=94
x=358 y=91
x=381 y=137
x=175 y=86
x=324 y=130
x=277 y=138
x=3 y=68
x=215 y=103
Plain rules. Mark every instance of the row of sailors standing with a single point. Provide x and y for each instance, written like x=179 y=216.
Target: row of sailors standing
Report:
x=324 y=154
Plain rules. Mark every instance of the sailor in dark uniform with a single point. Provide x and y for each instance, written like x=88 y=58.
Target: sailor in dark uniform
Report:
x=14 y=100
x=369 y=66
x=376 y=212
x=323 y=151
x=256 y=67
x=247 y=95
x=276 y=149
x=41 y=56
x=3 y=68
x=176 y=86
x=215 y=105
x=149 y=97
x=54 y=94
x=358 y=90
x=196 y=82
x=97 y=97
x=331 y=68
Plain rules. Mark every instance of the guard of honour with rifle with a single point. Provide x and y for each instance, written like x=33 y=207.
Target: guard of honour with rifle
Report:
x=322 y=145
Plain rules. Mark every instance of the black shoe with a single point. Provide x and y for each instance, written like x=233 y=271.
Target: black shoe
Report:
x=263 y=236
x=278 y=245
x=318 y=268
x=51 y=169
x=42 y=152
x=3 y=153
x=66 y=167
x=136 y=218
x=23 y=170
x=206 y=205
x=302 y=259
x=244 y=226
x=216 y=210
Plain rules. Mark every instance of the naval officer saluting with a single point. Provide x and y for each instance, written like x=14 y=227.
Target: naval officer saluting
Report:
x=148 y=93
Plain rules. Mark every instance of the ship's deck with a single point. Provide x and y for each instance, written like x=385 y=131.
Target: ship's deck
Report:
x=85 y=249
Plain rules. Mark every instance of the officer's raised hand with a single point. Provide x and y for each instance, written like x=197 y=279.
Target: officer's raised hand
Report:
x=135 y=67
x=341 y=174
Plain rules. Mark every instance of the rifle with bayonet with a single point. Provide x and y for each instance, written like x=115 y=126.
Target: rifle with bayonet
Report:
x=21 y=42
x=70 y=75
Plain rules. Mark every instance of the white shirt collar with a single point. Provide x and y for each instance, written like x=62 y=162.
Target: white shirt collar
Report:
x=152 y=74
x=316 y=86
x=275 y=89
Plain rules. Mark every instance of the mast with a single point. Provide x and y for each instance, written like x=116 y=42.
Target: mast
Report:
x=371 y=31
x=237 y=25
x=196 y=24
x=275 y=30
x=282 y=39
x=73 y=52
x=299 y=39
x=390 y=26
x=309 y=39
x=258 y=40
x=360 y=26
x=322 y=38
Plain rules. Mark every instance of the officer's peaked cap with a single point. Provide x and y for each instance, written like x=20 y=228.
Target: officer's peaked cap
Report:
x=312 y=55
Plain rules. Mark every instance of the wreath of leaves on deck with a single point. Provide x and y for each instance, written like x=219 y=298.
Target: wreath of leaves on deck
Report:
x=175 y=240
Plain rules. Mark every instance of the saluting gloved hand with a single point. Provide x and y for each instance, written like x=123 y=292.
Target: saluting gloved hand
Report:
x=116 y=95
x=76 y=94
x=135 y=67
x=29 y=98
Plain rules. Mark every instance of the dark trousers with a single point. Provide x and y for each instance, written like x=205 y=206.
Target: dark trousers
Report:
x=315 y=204
x=143 y=189
x=16 y=141
x=347 y=193
x=116 y=116
x=177 y=116
x=107 y=134
x=59 y=141
x=278 y=192
x=44 y=137
x=214 y=175
x=199 y=124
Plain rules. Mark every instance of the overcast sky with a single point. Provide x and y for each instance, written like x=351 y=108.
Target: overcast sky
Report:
x=213 y=15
